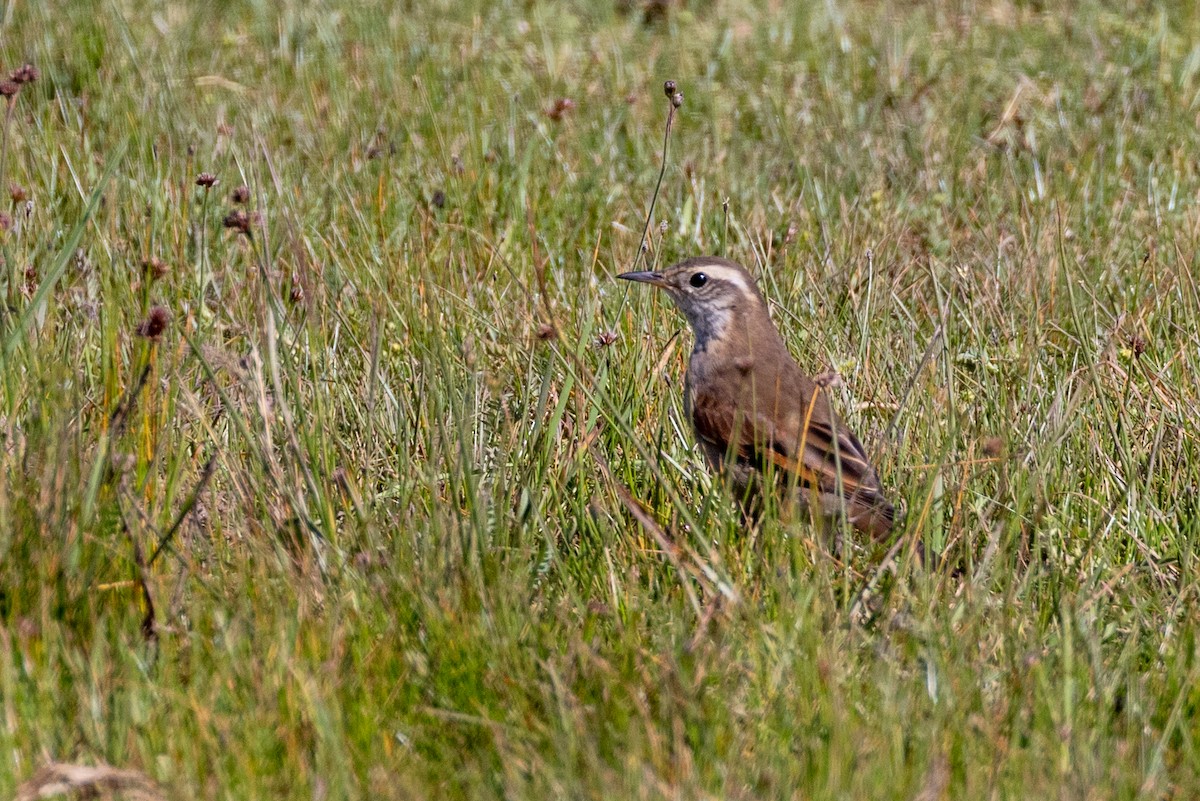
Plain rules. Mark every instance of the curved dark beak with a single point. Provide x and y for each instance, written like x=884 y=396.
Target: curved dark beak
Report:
x=646 y=277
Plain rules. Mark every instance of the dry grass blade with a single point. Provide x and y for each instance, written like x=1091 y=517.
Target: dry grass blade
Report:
x=683 y=558
x=937 y=780
x=88 y=781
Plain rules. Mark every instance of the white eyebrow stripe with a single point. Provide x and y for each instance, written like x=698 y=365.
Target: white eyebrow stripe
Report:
x=722 y=273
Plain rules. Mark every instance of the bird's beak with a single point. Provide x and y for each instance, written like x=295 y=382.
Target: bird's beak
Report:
x=646 y=277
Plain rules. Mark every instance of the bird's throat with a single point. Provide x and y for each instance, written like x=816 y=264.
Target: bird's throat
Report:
x=711 y=327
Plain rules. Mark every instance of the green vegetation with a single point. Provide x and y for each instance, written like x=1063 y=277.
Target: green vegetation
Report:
x=384 y=437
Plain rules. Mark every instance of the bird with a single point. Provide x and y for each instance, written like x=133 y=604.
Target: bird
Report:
x=755 y=412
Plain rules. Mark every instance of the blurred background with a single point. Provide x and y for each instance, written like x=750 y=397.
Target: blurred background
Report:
x=336 y=464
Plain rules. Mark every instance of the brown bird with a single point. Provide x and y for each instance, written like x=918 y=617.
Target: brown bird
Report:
x=752 y=408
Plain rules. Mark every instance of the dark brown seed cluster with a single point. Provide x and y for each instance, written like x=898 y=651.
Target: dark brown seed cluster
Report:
x=206 y=179
x=239 y=221
x=671 y=90
x=241 y=194
x=606 y=338
x=9 y=89
x=561 y=107
x=155 y=268
x=155 y=323
x=546 y=332
x=26 y=73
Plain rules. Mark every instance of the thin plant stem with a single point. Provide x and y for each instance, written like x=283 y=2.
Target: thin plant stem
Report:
x=662 y=170
x=12 y=268
x=204 y=260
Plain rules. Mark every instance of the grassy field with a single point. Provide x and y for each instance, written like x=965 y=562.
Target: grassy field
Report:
x=325 y=487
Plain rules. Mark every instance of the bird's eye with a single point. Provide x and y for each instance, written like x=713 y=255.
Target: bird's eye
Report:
x=698 y=280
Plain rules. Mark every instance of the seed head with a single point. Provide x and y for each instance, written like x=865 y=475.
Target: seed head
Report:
x=439 y=198
x=17 y=193
x=296 y=293
x=9 y=89
x=677 y=100
x=26 y=73
x=155 y=324
x=669 y=89
x=546 y=332
x=206 y=179
x=606 y=338
x=560 y=109
x=239 y=221
x=241 y=194
x=155 y=268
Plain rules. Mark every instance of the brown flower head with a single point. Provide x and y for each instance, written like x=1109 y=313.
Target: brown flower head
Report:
x=241 y=194
x=1137 y=345
x=17 y=193
x=606 y=338
x=677 y=100
x=560 y=109
x=546 y=331
x=206 y=179
x=669 y=89
x=155 y=268
x=239 y=221
x=9 y=89
x=155 y=323
x=26 y=73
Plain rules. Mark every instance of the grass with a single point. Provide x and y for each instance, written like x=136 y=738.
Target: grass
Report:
x=360 y=531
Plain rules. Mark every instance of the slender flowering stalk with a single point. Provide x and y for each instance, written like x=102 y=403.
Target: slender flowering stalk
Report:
x=206 y=181
x=8 y=90
x=676 y=100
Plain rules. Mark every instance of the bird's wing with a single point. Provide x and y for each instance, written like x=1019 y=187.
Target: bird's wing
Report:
x=746 y=438
x=809 y=443
x=825 y=446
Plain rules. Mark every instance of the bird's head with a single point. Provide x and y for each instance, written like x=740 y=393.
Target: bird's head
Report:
x=710 y=291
